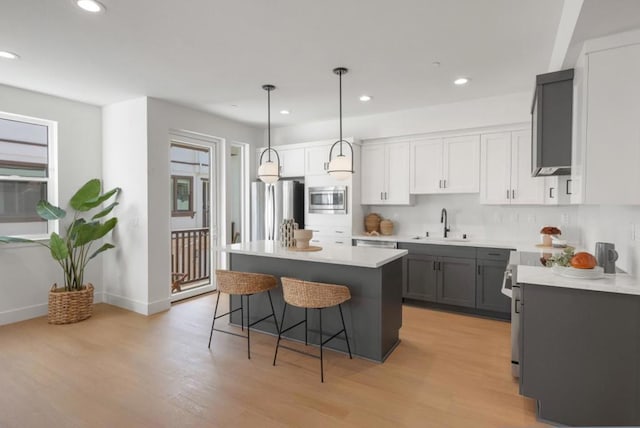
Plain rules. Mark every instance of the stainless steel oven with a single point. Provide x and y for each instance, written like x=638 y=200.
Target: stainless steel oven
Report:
x=328 y=200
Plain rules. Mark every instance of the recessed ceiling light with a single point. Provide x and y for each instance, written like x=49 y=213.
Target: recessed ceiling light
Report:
x=8 y=55
x=284 y=112
x=365 y=98
x=234 y=105
x=436 y=63
x=461 y=81
x=92 y=6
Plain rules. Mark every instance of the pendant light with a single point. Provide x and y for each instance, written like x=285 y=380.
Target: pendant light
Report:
x=340 y=166
x=269 y=171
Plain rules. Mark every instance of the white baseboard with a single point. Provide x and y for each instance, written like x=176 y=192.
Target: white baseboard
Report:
x=137 y=306
x=34 y=311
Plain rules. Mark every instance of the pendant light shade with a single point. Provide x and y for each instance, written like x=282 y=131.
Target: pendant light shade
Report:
x=340 y=165
x=269 y=170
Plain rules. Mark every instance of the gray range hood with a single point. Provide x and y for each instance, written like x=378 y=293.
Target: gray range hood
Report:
x=551 y=115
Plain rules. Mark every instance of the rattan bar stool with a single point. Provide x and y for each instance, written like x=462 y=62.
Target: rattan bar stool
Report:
x=312 y=295
x=243 y=284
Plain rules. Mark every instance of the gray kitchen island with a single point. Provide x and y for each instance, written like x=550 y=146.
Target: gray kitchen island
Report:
x=373 y=316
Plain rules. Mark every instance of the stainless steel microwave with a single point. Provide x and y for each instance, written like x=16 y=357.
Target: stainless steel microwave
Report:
x=328 y=200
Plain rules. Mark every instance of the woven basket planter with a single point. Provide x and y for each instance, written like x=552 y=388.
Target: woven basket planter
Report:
x=66 y=307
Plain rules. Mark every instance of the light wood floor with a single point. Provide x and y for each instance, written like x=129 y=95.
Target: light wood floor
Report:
x=120 y=369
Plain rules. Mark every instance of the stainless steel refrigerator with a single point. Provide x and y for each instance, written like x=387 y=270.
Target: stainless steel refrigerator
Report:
x=272 y=203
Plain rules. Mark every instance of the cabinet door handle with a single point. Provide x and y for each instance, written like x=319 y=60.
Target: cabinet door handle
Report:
x=517 y=305
x=386 y=196
x=434 y=265
x=508 y=194
x=339 y=231
x=479 y=270
x=551 y=193
x=568 y=191
x=382 y=196
x=444 y=184
x=513 y=194
x=339 y=242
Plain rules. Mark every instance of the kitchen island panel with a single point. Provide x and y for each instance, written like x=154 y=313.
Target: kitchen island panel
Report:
x=373 y=316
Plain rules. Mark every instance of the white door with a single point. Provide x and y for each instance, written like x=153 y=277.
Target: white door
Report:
x=495 y=168
x=373 y=174
x=525 y=189
x=398 y=158
x=461 y=161
x=317 y=160
x=426 y=166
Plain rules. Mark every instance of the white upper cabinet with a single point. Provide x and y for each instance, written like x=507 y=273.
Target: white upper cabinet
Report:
x=461 y=164
x=292 y=162
x=426 y=166
x=607 y=145
x=505 y=170
x=525 y=189
x=445 y=165
x=385 y=176
x=317 y=160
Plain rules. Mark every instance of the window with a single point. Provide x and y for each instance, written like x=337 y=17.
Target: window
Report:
x=27 y=163
x=182 y=191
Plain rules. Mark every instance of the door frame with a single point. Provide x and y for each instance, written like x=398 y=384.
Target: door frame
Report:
x=217 y=216
x=245 y=194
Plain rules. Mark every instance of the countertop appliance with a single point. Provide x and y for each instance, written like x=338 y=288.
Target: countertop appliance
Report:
x=373 y=243
x=272 y=203
x=551 y=116
x=511 y=289
x=328 y=200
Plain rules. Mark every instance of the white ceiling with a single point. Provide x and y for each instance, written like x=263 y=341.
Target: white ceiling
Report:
x=600 y=18
x=212 y=54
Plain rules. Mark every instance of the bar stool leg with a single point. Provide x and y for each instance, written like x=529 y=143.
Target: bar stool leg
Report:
x=248 y=328
x=305 y=327
x=273 y=312
x=284 y=310
x=241 y=314
x=215 y=312
x=345 y=331
x=321 y=359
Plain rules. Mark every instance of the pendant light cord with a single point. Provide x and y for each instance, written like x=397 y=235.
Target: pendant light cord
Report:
x=340 y=76
x=269 y=125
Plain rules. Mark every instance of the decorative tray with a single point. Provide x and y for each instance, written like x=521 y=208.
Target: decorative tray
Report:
x=310 y=248
x=570 y=272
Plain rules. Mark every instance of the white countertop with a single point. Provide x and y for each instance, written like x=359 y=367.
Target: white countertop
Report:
x=481 y=243
x=612 y=283
x=334 y=254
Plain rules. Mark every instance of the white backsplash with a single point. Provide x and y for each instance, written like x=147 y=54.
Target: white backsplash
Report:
x=584 y=225
x=466 y=215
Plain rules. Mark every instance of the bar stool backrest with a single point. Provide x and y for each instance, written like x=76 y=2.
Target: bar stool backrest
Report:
x=306 y=294
x=232 y=282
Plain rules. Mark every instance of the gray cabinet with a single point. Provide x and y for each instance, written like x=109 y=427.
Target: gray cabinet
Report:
x=580 y=355
x=421 y=277
x=466 y=277
x=457 y=281
x=488 y=295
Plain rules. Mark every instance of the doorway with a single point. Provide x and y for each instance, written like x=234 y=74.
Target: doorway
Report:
x=194 y=219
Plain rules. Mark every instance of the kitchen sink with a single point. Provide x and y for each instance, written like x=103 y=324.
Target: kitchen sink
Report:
x=439 y=239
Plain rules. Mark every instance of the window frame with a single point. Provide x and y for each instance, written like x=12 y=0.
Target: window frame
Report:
x=174 y=203
x=52 y=168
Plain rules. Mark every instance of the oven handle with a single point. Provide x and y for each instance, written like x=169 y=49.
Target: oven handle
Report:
x=508 y=275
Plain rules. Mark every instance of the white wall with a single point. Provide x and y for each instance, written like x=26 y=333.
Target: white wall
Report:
x=500 y=110
x=27 y=271
x=613 y=223
x=163 y=117
x=124 y=158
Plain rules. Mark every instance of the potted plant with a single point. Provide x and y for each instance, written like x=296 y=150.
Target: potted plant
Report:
x=73 y=251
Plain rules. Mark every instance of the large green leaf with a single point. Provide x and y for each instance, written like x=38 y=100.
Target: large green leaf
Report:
x=88 y=192
x=84 y=233
x=59 y=250
x=105 y=247
x=49 y=212
x=105 y=211
x=98 y=200
x=105 y=228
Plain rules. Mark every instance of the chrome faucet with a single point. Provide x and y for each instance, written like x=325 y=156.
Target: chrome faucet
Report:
x=444 y=219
